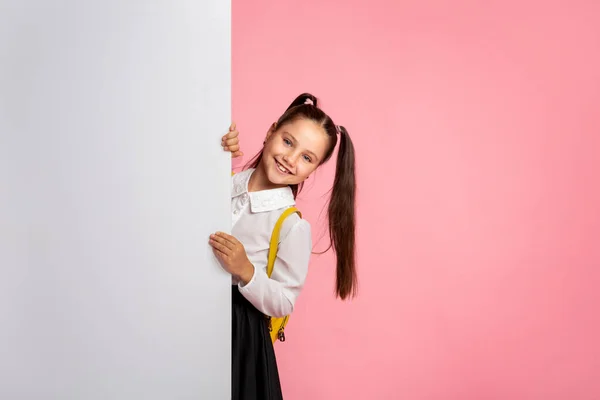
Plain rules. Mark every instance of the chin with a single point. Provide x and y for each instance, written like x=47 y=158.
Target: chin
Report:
x=276 y=178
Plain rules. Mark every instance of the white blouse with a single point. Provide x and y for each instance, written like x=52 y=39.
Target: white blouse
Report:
x=254 y=215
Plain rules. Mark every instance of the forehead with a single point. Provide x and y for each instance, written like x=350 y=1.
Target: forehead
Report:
x=308 y=134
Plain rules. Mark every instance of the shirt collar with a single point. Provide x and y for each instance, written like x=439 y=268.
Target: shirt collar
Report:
x=263 y=200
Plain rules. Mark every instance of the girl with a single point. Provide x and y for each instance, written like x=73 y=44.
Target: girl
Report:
x=301 y=140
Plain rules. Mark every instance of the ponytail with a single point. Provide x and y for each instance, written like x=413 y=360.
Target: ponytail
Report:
x=342 y=220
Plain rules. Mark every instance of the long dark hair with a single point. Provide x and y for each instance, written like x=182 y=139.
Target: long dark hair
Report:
x=341 y=209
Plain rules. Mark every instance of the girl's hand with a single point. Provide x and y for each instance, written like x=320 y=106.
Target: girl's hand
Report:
x=231 y=141
x=232 y=255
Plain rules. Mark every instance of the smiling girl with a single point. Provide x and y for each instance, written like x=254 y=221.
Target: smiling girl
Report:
x=301 y=140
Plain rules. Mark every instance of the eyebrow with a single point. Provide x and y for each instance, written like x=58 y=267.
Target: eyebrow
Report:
x=295 y=142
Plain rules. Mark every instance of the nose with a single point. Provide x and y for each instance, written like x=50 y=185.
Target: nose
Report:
x=291 y=159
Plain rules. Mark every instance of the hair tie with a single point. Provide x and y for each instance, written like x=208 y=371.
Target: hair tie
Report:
x=309 y=101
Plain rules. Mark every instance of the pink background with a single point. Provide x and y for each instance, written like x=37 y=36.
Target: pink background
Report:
x=477 y=128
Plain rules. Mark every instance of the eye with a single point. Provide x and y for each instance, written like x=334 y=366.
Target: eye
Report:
x=287 y=141
x=307 y=158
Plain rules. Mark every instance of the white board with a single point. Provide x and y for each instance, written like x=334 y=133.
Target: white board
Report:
x=111 y=180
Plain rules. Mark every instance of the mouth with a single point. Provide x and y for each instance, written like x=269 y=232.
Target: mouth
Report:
x=282 y=169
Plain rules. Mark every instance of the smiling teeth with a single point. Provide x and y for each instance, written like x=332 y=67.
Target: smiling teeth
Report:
x=281 y=168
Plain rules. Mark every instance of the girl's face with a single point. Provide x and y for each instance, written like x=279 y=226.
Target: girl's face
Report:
x=293 y=151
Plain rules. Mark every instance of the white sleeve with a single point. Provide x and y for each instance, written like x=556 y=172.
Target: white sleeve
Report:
x=276 y=296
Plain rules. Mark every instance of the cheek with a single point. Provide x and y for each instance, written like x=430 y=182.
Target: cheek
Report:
x=272 y=147
x=307 y=170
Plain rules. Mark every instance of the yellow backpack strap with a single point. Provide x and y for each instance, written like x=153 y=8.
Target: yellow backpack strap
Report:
x=275 y=238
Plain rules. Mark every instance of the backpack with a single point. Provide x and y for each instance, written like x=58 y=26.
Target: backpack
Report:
x=277 y=325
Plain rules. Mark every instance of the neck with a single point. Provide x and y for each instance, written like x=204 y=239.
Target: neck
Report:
x=259 y=181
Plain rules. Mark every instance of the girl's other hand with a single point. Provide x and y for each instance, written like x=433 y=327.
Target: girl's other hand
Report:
x=231 y=141
x=232 y=254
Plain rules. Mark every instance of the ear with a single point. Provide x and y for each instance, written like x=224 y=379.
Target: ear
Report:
x=271 y=130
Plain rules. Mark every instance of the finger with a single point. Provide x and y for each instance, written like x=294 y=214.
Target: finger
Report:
x=231 y=135
x=223 y=241
x=232 y=126
x=230 y=142
x=237 y=154
x=220 y=255
x=233 y=147
x=220 y=245
x=227 y=238
x=220 y=250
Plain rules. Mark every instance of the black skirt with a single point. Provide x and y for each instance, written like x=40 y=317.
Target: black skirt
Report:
x=254 y=367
